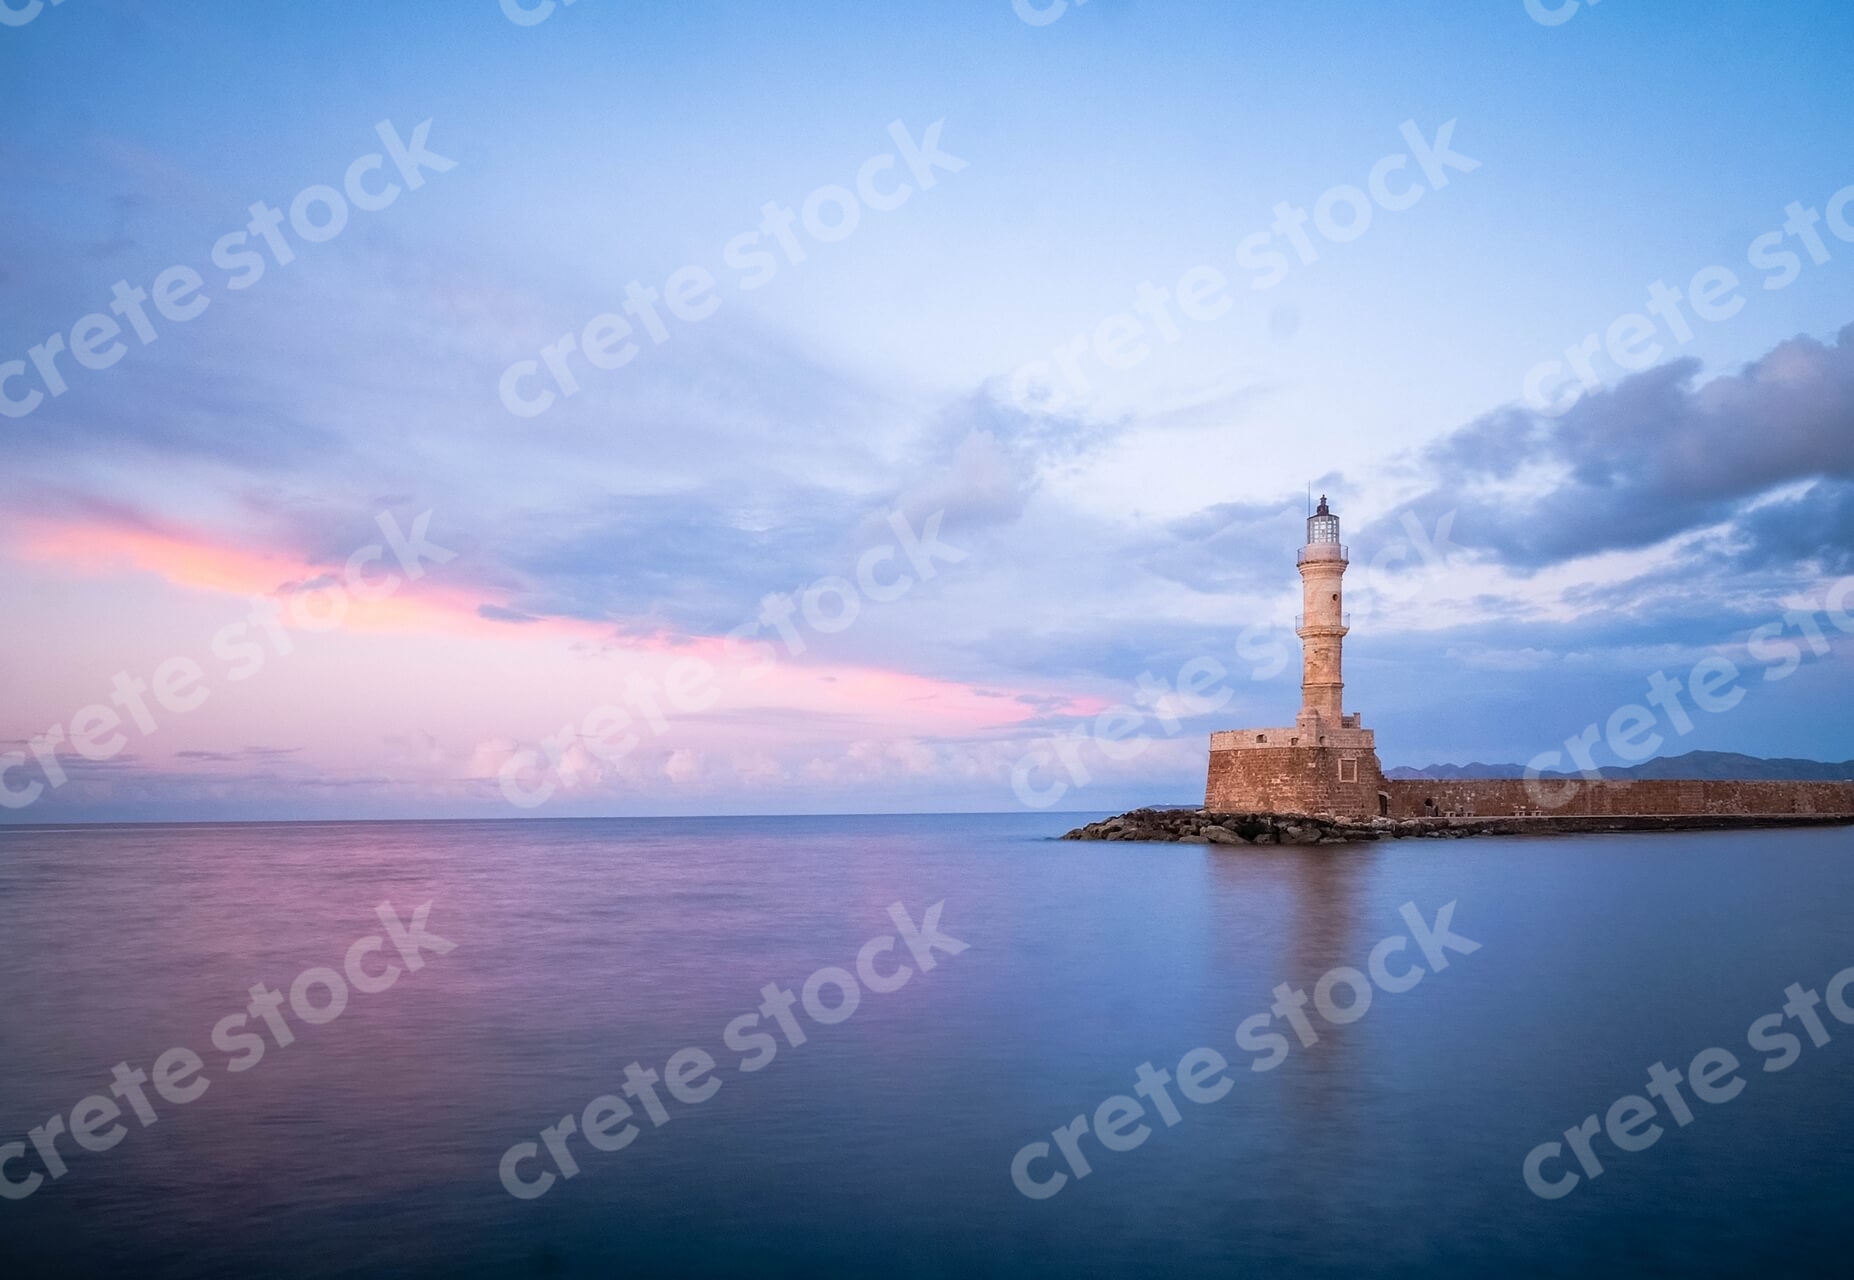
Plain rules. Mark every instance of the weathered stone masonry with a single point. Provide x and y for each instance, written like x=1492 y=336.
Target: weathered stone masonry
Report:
x=1489 y=798
x=1274 y=771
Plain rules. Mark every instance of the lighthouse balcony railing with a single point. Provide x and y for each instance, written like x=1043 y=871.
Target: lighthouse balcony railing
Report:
x=1323 y=551
x=1300 y=621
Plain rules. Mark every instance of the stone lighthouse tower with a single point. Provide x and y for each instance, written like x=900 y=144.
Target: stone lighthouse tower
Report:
x=1322 y=622
x=1327 y=763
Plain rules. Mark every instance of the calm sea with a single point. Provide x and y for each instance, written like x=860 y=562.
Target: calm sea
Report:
x=883 y=1144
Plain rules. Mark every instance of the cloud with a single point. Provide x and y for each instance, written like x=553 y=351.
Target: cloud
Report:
x=683 y=765
x=693 y=561
x=1232 y=545
x=1816 y=524
x=496 y=613
x=244 y=756
x=1660 y=455
x=982 y=483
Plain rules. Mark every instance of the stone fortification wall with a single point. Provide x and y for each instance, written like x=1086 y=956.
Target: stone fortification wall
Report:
x=1483 y=798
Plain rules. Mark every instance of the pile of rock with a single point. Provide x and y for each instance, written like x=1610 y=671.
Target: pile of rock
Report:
x=1197 y=826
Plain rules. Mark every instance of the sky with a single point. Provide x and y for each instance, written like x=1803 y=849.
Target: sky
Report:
x=872 y=466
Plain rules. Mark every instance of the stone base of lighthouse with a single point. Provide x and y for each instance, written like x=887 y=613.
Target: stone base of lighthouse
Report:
x=1315 y=767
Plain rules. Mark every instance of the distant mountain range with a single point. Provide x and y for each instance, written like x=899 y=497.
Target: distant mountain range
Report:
x=1694 y=764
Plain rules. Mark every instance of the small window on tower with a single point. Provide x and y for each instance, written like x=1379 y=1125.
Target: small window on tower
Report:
x=1348 y=770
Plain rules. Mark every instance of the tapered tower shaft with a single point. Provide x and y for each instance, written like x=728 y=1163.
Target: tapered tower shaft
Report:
x=1322 y=624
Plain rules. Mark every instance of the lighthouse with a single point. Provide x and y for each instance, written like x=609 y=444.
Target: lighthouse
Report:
x=1326 y=763
x=1321 y=625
